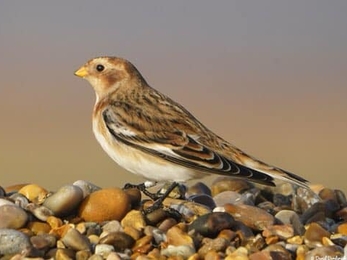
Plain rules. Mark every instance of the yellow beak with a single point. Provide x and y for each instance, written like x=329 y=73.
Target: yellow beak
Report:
x=81 y=72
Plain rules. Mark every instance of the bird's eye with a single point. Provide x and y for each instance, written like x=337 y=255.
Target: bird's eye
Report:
x=100 y=67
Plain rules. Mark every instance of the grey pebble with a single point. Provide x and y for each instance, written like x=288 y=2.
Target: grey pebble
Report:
x=65 y=200
x=75 y=240
x=13 y=242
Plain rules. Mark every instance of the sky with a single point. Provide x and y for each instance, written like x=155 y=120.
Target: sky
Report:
x=268 y=76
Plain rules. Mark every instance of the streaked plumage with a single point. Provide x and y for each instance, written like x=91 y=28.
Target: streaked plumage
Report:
x=151 y=135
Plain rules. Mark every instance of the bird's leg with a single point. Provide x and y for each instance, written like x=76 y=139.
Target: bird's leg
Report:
x=159 y=202
x=143 y=188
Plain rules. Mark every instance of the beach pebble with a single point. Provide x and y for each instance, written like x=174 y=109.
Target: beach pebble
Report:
x=211 y=224
x=13 y=242
x=75 y=240
x=135 y=219
x=65 y=200
x=12 y=216
x=251 y=216
x=104 y=205
x=34 y=193
x=119 y=240
x=86 y=187
x=176 y=236
x=314 y=235
x=229 y=184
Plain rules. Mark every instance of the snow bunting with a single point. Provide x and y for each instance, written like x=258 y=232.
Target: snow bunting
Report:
x=149 y=134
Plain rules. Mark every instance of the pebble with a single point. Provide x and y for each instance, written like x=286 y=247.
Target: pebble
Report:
x=176 y=236
x=198 y=188
x=65 y=200
x=229 y=184
x=134 y=219
x=183 y=251
x=342 y=229
x=282 y=231
x=251 y=216
x=75 y=240
x=119 y=240
x=103 y=250
x=232 y=220
x=227 y=197
x=86 y=187
x=211 y=224
x=13 y=242
x=291 y=217
x=12 y=216
x=314 y=235
x=34 y=193
x=104 y=205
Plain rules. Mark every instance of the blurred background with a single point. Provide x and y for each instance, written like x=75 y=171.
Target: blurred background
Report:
x=270 y=77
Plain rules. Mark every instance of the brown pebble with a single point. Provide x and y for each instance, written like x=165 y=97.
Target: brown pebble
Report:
x=282 y=231
x=134 y=233
x=342 y=228
x=211 y=224
x=12 y=216
x=229 y=184
x=212 y=255
x=134 y=219
x=39 y=227
x=134 y=196
x=314 y=234
x=262 y=255
x=251 y=216
x=83 y=255
x=177 y=237
x=143 y=245
x=105 y=204
x=64 y=254
x=241 y=253
x=119 y=240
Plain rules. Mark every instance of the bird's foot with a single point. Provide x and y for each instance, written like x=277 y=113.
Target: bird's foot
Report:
x=143 y=188
x=160 y=198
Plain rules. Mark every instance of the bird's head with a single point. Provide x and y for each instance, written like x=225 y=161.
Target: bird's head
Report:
x=106 y=74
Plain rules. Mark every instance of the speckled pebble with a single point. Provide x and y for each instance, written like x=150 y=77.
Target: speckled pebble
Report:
x=14 y=242
x=103 y=250
x=184 y=251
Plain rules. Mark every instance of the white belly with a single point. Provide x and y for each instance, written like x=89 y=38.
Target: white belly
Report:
x=145 y=165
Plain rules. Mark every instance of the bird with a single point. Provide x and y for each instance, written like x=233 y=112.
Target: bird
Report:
x=151 y=135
